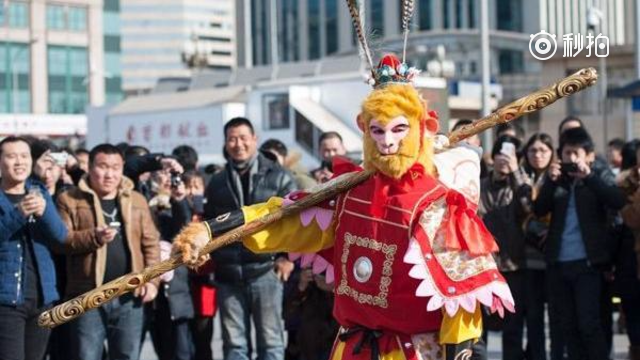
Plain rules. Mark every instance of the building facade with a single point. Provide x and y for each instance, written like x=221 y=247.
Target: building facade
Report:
x=51 y=56
x=311 y=29
x=161 y=38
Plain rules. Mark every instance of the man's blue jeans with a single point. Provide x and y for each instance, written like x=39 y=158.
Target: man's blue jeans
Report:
x=119 y=322
x=259 y=299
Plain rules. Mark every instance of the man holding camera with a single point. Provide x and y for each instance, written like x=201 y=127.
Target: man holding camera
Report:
x=578 y=197
x=111 y=233
x=329 y=145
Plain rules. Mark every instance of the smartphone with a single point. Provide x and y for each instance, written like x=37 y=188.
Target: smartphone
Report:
x=60 y=158
x=568 y=168
x=114 y=225
x=508 y=149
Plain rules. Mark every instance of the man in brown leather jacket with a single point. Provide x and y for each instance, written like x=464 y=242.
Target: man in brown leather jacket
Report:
x=111 y=233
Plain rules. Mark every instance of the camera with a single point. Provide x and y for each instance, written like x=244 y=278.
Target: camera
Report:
x=567 y=168
x=176 y=179
x=327 y=164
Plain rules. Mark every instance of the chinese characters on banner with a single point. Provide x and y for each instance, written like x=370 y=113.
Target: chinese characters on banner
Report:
x=164 y=136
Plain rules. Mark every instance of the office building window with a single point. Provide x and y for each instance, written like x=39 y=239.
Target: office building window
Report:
x=314 y=29
x=425 y=8
x=331 y=13
x=113 y=89
x=289 y=33
x=472 y=14
x=377 y=17
x=112 y=5
x=18 y=14
x=77 y=18
x=112 y=64
x=15 y=78
x=111 y=23
x=112 y=52
x=112 y=43
x=55 y=17
x=276 y=107
x=509 y=15
x=458 y=14
x=260 y=31
x=72 y=18
x=68 y=79
x=510 y=61
x=446 y=11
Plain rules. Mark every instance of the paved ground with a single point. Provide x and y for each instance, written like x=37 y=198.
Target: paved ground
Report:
x=621 y=344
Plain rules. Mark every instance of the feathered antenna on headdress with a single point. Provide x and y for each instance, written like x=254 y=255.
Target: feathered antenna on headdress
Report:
x=408 y=7
x=354 y=10
x=389 y=70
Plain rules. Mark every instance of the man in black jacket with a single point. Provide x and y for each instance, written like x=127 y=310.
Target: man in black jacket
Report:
x=578 y=195
x=249 y=285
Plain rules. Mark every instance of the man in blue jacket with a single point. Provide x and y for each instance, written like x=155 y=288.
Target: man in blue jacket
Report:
x=29 y=227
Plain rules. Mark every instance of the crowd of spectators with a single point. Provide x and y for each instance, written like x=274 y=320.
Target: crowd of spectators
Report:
x=567 y=221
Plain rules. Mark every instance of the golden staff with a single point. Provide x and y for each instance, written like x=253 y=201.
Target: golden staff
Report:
x=538 y=100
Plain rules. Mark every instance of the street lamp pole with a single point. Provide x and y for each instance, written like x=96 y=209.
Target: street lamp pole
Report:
x=486 y=67
x=595 y=19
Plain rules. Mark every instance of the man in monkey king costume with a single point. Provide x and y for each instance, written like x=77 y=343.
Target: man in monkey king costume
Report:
x=412 y=260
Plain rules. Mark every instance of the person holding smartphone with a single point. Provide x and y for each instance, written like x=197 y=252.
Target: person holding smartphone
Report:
x=503 y=213
x=29 y=227
x=578 y=196
x=111 y=233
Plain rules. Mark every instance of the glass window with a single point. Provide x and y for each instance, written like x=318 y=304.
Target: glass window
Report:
x=4 y=95
x=277 y=111
x=113 y=84
x=472 y=14
x=260 y=32
x=377 y=17
x=77 y=18
x=425 y=15
x=57 y=103
x=112 y=43
x=112 y=65
x=79 y=62
x=509 y=15
x=57 y=60
x=15 y=76
x=18 y=15
x=314 y=29
x=111 y=23
x=112 y=5
x=3 y=16
x=510 y=61
x=55 y=17
x=445 y=13
x=68 y=75
x=289 y=30
x=458 y=14
x=331 y=11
